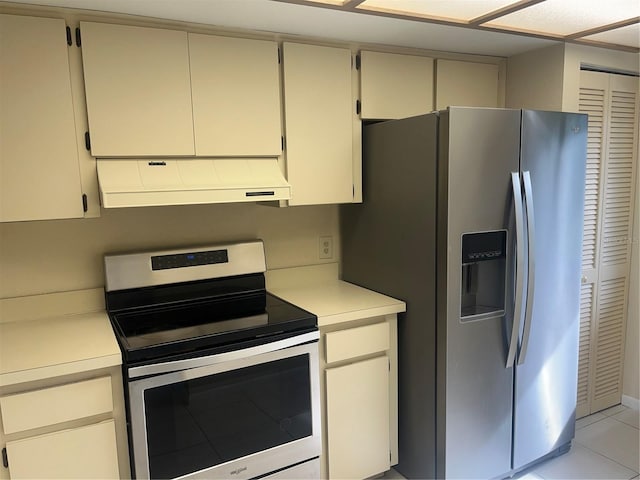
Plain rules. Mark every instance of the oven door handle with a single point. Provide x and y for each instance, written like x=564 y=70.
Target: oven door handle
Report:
x=189 y=363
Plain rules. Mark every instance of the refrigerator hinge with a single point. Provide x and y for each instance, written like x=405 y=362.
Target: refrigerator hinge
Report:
x=69 y=39
x=78 y=37
x=5 y=458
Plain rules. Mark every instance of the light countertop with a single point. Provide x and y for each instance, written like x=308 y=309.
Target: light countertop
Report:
x=47 y=347
x=65 y=342
x=319 y=290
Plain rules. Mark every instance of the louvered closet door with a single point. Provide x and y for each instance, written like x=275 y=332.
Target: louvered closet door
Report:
x=612 y=104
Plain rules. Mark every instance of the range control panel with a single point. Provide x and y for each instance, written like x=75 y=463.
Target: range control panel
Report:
x=190 y=259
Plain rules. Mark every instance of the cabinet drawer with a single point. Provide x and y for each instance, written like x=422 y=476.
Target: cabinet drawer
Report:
x=356 y=342
x=48 y=406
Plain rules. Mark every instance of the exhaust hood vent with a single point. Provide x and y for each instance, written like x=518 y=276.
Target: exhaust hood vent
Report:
x=155 y=182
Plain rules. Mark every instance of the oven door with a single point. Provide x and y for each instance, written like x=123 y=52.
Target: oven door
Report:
x=239 y=414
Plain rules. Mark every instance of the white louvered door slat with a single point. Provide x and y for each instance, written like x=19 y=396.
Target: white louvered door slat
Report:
x=612 y=104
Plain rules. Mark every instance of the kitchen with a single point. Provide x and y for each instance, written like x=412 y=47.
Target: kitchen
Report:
x=66 y=255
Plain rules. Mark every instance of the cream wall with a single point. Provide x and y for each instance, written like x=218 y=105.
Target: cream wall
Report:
x=577 y=55
x=64 y=255
x=534 y=79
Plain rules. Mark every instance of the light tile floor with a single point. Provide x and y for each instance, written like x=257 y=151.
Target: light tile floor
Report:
x=606 y=447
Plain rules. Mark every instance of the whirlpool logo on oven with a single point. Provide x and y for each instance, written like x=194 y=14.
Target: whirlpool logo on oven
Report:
x=238 y=471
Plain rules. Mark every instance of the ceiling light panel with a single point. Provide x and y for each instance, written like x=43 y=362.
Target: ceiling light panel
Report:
x=331 y=2
x=564 y=17
x=451 y=10
x=628 y=36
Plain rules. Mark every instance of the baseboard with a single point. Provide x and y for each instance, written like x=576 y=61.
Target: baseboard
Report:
x=631 y=402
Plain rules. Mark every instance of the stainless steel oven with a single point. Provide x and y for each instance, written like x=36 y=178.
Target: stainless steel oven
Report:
x=222 y=378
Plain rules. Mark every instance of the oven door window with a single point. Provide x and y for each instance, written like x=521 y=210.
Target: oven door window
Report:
x=198 y=423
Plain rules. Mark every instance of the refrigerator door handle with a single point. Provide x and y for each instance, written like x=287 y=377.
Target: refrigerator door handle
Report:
x=519 y=290
x=531 y=270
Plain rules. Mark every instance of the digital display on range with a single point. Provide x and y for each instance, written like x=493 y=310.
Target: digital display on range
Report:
x=192 y=259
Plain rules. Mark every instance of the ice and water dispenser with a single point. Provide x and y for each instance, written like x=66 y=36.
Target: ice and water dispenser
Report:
x=484 y=261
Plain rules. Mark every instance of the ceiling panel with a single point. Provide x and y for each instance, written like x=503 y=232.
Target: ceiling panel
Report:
x=629 y=36
x=564 y=17
x=456 y=10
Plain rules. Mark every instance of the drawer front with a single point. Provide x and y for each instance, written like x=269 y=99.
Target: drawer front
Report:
x=356 y=342
x=48 y=406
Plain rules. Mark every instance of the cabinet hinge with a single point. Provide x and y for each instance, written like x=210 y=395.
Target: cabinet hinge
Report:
x=279 y=56
x=358 y=62
x=5 y=458
x=69 y=39
x=282 y=142
x=87 y=141
x=358 y=107
x=78 y=37
x=85 y=204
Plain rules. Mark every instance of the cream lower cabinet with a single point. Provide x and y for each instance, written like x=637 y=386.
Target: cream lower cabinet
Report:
x=360 y=397
x=83 y=452
x=65 y=431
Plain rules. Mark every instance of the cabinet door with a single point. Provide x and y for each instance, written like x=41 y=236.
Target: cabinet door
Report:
x=319 y=113
x=466 y=84
x=358 y=418
x=235 y=85
x=395 y=86
x=39 y=174
x=138 y=90
x=84 y=452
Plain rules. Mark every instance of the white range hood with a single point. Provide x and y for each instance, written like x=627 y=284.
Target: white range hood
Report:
x=154 y=182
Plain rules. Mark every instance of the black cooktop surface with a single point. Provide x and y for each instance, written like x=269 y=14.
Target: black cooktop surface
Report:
x=211 y=323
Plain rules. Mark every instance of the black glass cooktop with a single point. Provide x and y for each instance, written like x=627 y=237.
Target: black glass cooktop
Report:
x=179 y=323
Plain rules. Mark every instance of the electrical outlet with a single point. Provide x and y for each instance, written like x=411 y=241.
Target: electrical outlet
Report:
x=326 y=247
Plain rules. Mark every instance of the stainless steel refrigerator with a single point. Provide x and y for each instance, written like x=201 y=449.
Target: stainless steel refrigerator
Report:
x=474 y=217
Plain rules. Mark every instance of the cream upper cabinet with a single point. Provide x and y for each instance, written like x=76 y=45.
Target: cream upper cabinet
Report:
x=180 y=94
x=235 y=84
x=138 y=90
x=467 y=84
x=39 y=170
x=395 y=86
x=320 y=120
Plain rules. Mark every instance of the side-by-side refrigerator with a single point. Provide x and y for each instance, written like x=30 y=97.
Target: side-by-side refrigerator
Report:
x=473 y=217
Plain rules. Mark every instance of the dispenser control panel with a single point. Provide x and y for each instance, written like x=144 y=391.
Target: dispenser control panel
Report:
x=478 y=247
